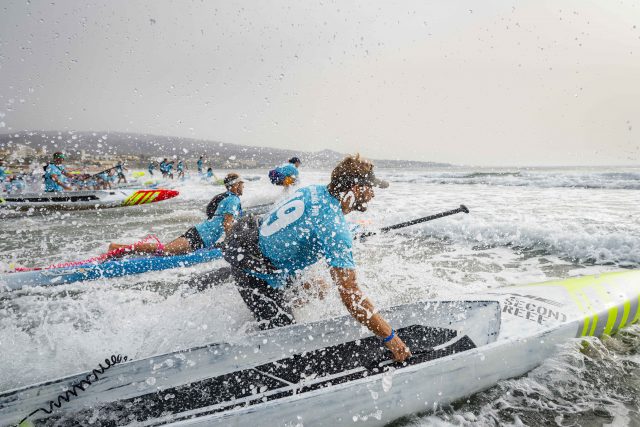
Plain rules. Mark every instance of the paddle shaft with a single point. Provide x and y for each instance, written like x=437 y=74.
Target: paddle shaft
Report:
x=96 y=174
x=462 y=208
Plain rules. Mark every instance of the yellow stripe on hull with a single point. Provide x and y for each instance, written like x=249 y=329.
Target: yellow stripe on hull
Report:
x=127 y=201
x=590 y=292
x=145 y=198
x=141 y=197
x=153 y=197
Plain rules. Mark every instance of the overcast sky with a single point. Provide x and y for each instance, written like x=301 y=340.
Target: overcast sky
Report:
x=467 y=82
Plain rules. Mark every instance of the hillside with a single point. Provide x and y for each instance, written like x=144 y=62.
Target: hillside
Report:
x=84 y=145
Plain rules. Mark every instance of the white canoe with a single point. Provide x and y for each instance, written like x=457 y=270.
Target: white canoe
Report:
x=97 y=199
x=334 y=372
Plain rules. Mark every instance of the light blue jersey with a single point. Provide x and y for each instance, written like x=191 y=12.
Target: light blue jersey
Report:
x=288 y=169
x=211 y=229
x=303 y=229
x=3 y=174
x=49 y=172
x=106 y=177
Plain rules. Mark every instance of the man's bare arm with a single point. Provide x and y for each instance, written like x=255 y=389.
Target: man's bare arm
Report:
x=363 y=311
x=60 y=183
x=227 y=223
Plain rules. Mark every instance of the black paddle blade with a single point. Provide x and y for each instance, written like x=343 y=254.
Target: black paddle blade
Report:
x=209 y=279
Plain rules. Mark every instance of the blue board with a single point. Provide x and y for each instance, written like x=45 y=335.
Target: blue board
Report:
x=104 y=270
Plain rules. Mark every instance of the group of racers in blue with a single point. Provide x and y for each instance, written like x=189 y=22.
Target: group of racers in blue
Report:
x=166 y=168
x=10 y=182
x=57 y=178
x=267 y=253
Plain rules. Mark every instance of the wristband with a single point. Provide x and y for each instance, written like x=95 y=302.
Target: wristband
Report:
x=390 y=337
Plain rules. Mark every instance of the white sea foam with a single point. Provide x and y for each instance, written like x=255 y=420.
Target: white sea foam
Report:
x=594 y=178
x=514 y=234
x=587 y=383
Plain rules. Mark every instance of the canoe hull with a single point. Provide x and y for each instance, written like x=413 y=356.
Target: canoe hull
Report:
x=333 y=372
x=78 y=200
x=105 y=270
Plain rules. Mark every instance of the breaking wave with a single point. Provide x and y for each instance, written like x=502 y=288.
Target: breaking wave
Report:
x=628 y=180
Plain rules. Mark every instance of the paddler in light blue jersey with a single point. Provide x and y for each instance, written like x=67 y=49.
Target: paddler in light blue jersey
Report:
x=266 y=253
x=163 y=167
x=151 y=167
x=209 y=174
x=180 y=169
x=120 y=168
x=287 y=174
x=168 y=166
x=105 y=178
x=200 y=162
x=3 y=173
x=55 y=175
x=222 y=212
x=10 y=183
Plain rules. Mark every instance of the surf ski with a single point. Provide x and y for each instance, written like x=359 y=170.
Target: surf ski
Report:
x=98 y=199
x=334 y=372
x=114 y=268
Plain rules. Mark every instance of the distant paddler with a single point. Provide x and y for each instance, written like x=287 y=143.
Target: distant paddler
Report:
x=120 y=168
x=105 y=178
x=222 y=212
x=200 y=163
x=14 y=182
x=151 y=167
x=10 y=182
x=180 y=169
x=165 y=168
x=86 y=181
x=287 y=174
x=208 y=175
x=3 y=172
x=55 y=174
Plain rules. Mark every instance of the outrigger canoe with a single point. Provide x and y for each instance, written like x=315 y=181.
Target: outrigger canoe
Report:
x=104 y=270
x=98 y=199
x=334 y=372
x=16 y=280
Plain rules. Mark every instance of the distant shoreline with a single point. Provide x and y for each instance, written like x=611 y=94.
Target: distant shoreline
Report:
x=141 y=148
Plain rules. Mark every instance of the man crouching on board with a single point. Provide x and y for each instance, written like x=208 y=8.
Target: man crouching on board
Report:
x=265 y=253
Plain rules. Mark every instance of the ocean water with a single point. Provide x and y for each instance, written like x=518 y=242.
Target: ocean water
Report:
x=525 y=226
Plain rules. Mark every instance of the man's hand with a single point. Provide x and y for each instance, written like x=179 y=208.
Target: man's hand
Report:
x=363 y=311
x=399 y=349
